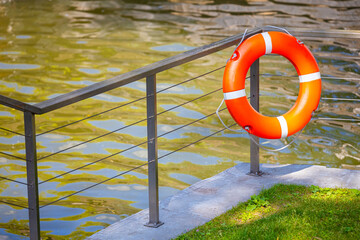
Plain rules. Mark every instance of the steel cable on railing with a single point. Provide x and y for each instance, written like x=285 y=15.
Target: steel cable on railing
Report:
x=94 y=185
x=97 y=114
x=11 y=180
x=62 y=198
x=132 y=124
x=7 y=130
x=353 y=79
x=13 y=204
x=204 y=95
x=337 y=119
x=90 y=140
x=188 y=145
x=191 y=79
x=123 y=105
x=10 y=155
x=341 y=99
x=188 y=124
x=91 y=163
x=207 y=94
x=101 y=159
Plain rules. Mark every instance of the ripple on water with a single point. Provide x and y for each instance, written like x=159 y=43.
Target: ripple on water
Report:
x=15 y=189
x=324 y=141
x=113 y=69
x=128 y=192
x=90 y=71
x=81 y=42
x=88 y=148
x=93 y=228
x=8 y=171
x=186 y=178
x=6 y=114
x=175 y=47
x=10 y=53
x=181 y=133
x=9 y=236
x=19 y=88
x=23 y=37
x=108 y=218
x=18 y=66
x=8 y=213
x=54 y=211
x=12 y=140
x=111 y=125
x=58 y=227
x=183 y=112
x=82 y=82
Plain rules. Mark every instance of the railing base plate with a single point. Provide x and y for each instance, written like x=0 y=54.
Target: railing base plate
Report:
x=258 y=174
x=154 y=225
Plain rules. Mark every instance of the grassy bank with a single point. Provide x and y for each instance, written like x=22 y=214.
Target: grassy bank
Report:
x=288 y=212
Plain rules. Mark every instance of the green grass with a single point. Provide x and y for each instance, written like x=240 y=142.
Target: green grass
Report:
x=288 y=212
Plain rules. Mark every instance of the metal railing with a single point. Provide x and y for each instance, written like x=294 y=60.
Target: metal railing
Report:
x=149 y=73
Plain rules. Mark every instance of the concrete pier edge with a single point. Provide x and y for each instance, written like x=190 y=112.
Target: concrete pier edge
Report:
x=213 y=196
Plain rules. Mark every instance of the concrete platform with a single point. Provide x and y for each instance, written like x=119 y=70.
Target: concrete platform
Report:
x=211 y=197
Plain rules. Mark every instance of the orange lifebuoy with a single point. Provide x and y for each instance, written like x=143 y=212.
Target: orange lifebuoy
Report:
x=234 y=85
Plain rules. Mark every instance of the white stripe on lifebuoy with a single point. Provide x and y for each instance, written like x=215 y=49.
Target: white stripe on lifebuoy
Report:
x=234 y=94
x=310 y=77
x=284 y=126
x=268 y=44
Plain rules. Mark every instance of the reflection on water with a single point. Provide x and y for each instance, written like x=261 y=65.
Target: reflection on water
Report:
x=48 y=48
x=7 y=66
x=176 y=47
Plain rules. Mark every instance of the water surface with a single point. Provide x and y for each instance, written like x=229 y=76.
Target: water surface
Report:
x=48 y=48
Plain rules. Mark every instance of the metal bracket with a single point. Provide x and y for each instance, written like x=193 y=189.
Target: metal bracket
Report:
x=154 y=225
x=257 y=174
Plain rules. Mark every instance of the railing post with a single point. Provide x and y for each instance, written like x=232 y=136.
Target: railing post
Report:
x=152 y=152
x=254 y=101
x=32 y=175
